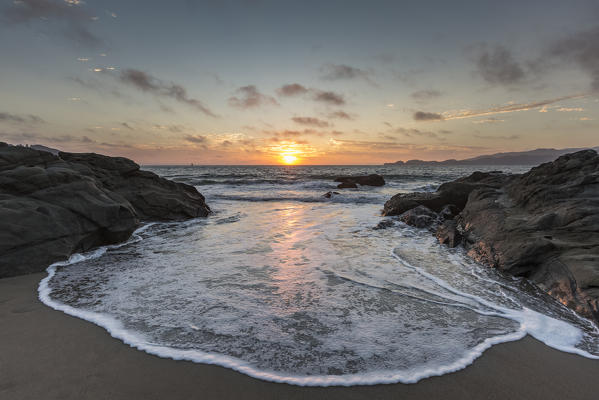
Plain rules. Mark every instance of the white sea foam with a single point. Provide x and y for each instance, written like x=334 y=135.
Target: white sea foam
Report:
x=306 y=294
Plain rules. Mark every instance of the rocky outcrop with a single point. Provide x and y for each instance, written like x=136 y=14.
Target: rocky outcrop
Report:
x=54 y=205
x=542 y=225
x=364 y=180
x=453 y=193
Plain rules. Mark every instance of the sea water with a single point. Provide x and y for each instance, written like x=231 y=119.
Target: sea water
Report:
x=286 y=285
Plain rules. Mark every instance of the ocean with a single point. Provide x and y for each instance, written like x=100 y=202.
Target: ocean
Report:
x=286 y=285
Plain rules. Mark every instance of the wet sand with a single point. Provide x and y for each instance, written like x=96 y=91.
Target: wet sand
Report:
x=45 y=354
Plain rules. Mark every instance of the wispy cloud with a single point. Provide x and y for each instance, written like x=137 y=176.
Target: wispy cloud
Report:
x=497 y=137
x=509 y=108
x=427 y=116
x=329 y=98
x=340 y=115
x=310 y=121
x=295 y=89
x=498 y=66
x=581 y=48
x=20 y=119
x=292 y=89
x=425 y=95
x=148 y=83
x=72 y=15
x=199 y=139
x=333 y=72
x=250 y=97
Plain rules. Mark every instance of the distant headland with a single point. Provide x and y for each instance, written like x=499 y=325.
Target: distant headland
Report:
x=531 y=157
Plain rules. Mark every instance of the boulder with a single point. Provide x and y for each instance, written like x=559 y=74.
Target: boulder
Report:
x=54 y=205
x=541 y=225
x=347 y=185
x=365 y=180
x=455 y=193
x=420 y=217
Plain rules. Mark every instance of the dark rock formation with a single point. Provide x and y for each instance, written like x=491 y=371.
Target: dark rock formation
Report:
x=365 y=180
x=453 y=193
x=542 y=225
x=52 y=206
x=420 y=217
x=328 y=195
x=448 y=233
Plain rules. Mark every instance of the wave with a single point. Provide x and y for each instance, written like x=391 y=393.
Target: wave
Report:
x=555 y=333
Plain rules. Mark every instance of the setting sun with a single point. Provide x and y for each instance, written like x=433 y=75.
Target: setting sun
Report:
x=289 y=159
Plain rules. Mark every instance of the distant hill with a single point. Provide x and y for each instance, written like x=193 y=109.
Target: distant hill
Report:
x=531 y=157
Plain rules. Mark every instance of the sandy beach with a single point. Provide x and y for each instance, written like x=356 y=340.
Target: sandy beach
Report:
x=45 y=354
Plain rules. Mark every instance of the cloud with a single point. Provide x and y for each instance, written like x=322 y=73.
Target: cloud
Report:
x=147 y=83
x=295 y=89
x=333 y=72
x=427 y=116
x=310 y=121
x=292 y=89
x=413 y=132
x=340 y=115
x=329 y=98
x=581 y=49
x=511 y=137
x=20 y=119
x=499 y=67
x=250 y=97
x=196 y=139
x=71 y=14
x=491 y=120
x=31 y=138
x=425 y=95
x=509 y=108
x=570 y=109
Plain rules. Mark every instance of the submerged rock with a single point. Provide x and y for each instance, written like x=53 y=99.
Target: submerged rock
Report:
x=542 y=225
x=52 y=206
x=365 y=180
x=328 y=195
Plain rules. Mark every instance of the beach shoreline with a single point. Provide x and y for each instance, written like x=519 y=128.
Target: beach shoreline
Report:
x=47 y=354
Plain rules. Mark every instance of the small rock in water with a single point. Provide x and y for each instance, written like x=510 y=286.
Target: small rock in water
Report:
x=366 y=180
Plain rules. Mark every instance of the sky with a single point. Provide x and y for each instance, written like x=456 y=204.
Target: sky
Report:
x=299 y=82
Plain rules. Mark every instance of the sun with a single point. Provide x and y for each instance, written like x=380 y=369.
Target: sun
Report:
x=289 y=159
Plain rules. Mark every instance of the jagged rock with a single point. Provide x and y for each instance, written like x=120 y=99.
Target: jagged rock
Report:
x=542 y=225
x=366 y=180
x=52 y=206
x=328 y=195
x=420 y=217
x=448 y=233
x=347 y=185
x=455 y=193
x=449 y=211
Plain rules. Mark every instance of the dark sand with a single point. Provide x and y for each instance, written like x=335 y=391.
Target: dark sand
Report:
x=45 y=354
